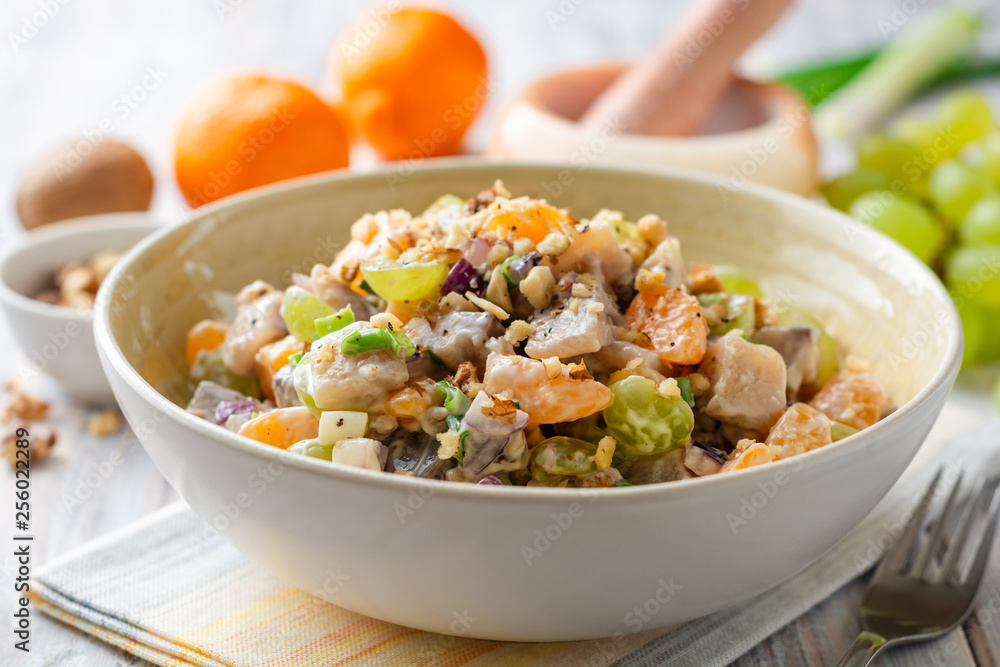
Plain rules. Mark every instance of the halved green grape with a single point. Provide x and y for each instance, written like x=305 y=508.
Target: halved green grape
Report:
x=840 y=431
x=735 y=281
x=394 y=281
x=740 y=314
x=966 y=116
x=954 y=187
x=644 y=422
x=902 y=218
x=208 y=365
x=996 y=394
x=313 y=448
x=973 y=273
x=982 y=223
x=829 y=354
x=898 y=159
x=443 y=203
x=335 y=322
x=623 y=230
x=300 y=380
x=843 y=190
x=560 y=455
x=300 y=309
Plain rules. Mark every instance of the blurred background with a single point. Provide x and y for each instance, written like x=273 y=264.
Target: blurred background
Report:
x=67 y=65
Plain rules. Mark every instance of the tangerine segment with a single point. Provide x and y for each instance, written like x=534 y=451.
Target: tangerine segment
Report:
x=673 y=321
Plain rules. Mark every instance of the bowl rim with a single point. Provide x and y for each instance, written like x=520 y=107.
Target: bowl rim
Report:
x=114 y=357
x=58 y=231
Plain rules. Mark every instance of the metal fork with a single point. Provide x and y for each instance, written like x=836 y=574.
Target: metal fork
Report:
x=907 y=600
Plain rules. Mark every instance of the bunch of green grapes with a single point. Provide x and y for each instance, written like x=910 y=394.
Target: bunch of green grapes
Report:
x=933 y=184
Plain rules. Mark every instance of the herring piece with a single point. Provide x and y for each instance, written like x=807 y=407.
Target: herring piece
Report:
x=258 y=322
x=799 y=347
x=747 y=383
x=456 y=336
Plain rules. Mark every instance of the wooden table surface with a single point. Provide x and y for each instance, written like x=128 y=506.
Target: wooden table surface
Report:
x=65 y=76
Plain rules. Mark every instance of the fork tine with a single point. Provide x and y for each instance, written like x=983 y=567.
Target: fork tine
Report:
x=922 y=565
x=971 y=583
x=962 y=533
x=895 y=557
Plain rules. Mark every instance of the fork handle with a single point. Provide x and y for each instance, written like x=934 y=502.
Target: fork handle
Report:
x=862 y=650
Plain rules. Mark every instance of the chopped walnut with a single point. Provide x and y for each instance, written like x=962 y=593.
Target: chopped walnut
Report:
x=539 y=286
x=465 y=378
x=502 y=409
x=649 y=280
x=383 y=320
x=605 y=452
x=580 y=290
x=104 y=423
x=488 y=306
x=703 y=279
x=518 y=331
x=579 y=372
x=553 y=244
x=668 y=388
x=553 y=367
x=764 y=315
x=40 y=445
x=652 y=228
x=23 y=406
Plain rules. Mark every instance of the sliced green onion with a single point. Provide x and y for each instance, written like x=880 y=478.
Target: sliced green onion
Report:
x=294 y=359
x=454 y=423
x=505 y=267
x=624 y=482
x=685 y=385
x=359 y=342
x=455 y=400
x=705 y=300
x=335 y=322
x=460 y=454
x=398 y=340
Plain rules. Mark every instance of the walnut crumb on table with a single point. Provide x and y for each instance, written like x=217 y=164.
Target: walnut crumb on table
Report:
x=41 y=444
x=21 y=405
x=105 y=422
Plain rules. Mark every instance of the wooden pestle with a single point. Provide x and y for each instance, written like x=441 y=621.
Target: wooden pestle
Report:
x=673 y=90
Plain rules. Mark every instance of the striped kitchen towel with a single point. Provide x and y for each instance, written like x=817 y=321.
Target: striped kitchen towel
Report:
x=159 y=590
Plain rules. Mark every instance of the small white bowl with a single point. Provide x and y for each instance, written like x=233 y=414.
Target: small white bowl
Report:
x=57 y=340
x=760 y=132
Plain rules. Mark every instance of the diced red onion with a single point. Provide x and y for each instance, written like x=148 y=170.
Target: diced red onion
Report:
x=463 y=278
x=419 y=365
x=225 y=409
x=703 y=459
x=490 y=480
x=518 y=269
x=477 y=251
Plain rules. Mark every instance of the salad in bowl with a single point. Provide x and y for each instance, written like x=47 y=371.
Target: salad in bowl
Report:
x=500 y=340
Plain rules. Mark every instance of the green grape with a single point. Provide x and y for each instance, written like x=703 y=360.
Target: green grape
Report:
x=560 y=455
x=982 y=223
x=966 y=116
x=930 y=141
x=902 y=218
x=300 y=309
x=740 y=314
x=404 y=282
x=840 y=431
x=989 y=319
x=624 y=231
x=843 y=190
x=899 y=160
x=443 y=203
x=208 y=365
x=313 y=448
x=954 y=187
x=828 y=353
x=735 y=281
x=642 y=421
x=973 y=273
x=991 y=156
x=974 y=326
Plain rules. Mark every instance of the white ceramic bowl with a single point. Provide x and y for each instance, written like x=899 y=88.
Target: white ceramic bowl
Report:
x=56 y=340
x=760 y=132
x=530 y=564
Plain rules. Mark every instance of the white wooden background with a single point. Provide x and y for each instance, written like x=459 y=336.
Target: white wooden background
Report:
x=83 y=61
